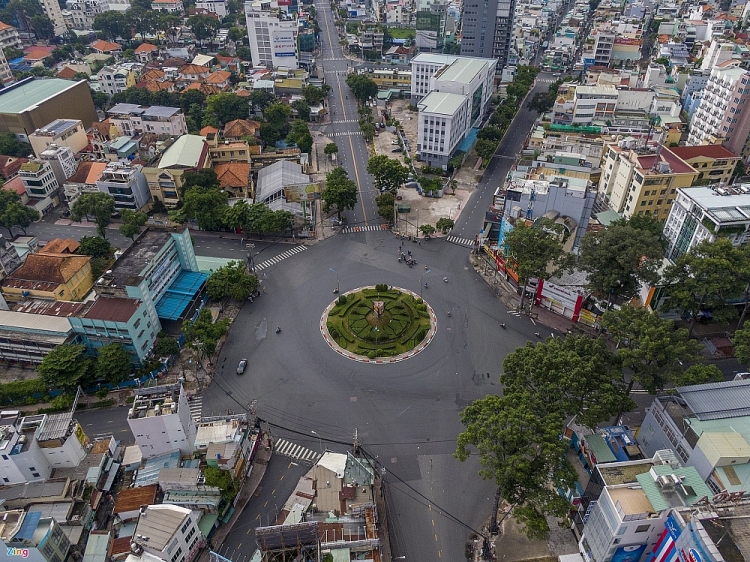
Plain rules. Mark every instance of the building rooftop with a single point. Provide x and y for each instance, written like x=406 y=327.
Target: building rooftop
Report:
x=441 y=103
x=60 y=246
x=27 y=94
x=87 y=173
x=26 y=493
x=56 y=426
x=44 y=307
x=727 y=399
x=137 y=257
x=159 y=523
x=146 y=48
x=113 y=309
x=49 y=326
x=186 y=152
x=217 y=432
x=161 y=111
x=57 y=127
x=131 y=499
x=706 y=150
x=667 y=486
x=126 y=109
x=155 y=401
x=97 y=547
x=278 y=175
x=47 y=268
x=462 y=70
x=11 y=521
x=153 y=466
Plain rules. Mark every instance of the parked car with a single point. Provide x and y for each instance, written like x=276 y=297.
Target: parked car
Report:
x=242 y=366
x=397 y=149
x=411 y=185
x=394 y=142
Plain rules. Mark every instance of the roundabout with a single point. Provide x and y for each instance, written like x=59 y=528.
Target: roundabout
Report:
x=378 y=324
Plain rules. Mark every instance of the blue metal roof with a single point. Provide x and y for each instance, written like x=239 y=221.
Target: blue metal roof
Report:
x=28 y=527
x=176 y=299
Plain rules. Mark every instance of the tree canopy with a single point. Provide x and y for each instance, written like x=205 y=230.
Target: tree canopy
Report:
x=300 y=135
x=98 y=205
x=132 y=222
x=225 y=107
x=206 y=205
x=231 y=281
x=113 y=363
x=203 y=333
x=533 y=251
x=13 y=213
x=389 y=174
x=11 y=146
x=94 y=246
x=363 y=88
x=64 y=367
x=340 y=191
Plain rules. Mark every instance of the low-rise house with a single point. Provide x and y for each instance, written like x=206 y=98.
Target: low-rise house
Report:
x=241 y=128
x=9 y=166
x=129 y=119
x=83 y=181
x=187 y=153
x=229 y=151
x=146 y=52
x=113 y=80
x=192 y=73
x=130 y=502
x=220 y=79
x=227 y=442
x=171 y=6
x=106 y=48
x=235 y=178
x=9 y=258
x=167 y=532
x=60 y=132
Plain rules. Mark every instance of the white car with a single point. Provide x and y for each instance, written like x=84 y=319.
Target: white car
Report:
x=242 y=366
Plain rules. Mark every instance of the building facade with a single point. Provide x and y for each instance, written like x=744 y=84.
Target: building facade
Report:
x=487 y=29
x=5 y=74
x=80 y=14
x=161 y=421
x=60 y=277
x=127 y=184
x=52 y=10
x=272 y=35
x=169 y=532
x=9 y=36
x=60 y=132
x=62 y=161
x=188 y=153
x=128 y=119
x=40 y=182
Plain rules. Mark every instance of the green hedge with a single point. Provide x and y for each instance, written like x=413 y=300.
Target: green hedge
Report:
x=25 y=392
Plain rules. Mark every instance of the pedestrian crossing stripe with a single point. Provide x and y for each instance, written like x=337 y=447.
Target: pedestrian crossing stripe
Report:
x=366 y=228
x=196 y=408
x=460 y=241
x=337 y=121
x=277 y=259
x=344 y=134
x=289 y=449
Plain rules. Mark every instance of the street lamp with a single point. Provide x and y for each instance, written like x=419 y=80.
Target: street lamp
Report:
x=337 y=280
x=319 y=439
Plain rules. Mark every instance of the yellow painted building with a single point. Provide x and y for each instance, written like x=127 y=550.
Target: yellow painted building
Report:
x=62 y=277
x=189 y=153
x=713 y=162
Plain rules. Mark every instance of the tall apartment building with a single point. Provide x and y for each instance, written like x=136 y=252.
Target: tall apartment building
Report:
x=636 y=183
x=723 y=116
x=272 y=34
x=486 y=29
x=62 y=160
x=80 y=14
x=39 y=179
x=704 y=213
x=129 y=119
x=9 y=36
x=52 y=9
x=161 y=421
x=430 y=22
x=127 y=184
x=61 y=132
x=5 y=74
x=605 y=40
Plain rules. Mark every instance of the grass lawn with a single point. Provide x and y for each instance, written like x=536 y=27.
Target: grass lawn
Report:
x=402 y=33
x=353 y=324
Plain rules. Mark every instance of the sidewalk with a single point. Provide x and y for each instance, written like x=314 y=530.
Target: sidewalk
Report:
x=245 y=494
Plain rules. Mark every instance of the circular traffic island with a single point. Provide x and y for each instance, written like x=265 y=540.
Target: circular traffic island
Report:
x=378 y=324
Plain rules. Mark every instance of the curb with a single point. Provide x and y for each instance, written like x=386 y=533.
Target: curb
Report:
x=384 y=360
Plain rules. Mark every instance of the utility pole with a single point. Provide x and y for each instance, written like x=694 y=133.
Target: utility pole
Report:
x=494 y=528
x=356 y=442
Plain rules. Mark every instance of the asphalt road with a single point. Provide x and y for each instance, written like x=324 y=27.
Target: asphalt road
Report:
x=344 y=127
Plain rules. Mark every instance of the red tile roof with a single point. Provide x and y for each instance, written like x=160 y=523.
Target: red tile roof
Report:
x=146 y=48
x=47 y=268
x=60 y=246
x=105 y=46
x=37 y=53
x=67 y=73
x=676 y=164
x=113 y=309
x=131 y=499
x=233 y=174
x=16 y=185
x=706 y=150
x=9 y=165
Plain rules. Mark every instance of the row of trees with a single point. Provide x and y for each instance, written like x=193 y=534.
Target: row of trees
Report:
x=67 y=366
x=517 y=435
x=28 y=15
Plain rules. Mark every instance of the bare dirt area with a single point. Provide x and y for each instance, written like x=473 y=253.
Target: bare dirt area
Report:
x=14 y=373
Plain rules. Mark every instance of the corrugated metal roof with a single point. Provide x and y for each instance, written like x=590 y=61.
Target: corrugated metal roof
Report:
x=149 y=474
x=97 y=548
x=179 y=295
x=25 y=96
x=185 y=152
x=55 y=426
x=276 y=176
x=690 y=479
x=51 y=325
x=28 y=526
x=718 y=400
x=160 y=111
x=441 y=103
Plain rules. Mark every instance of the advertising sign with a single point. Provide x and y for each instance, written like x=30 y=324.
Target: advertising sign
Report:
x=629 y=553
x=284 y=44
x=302 y=192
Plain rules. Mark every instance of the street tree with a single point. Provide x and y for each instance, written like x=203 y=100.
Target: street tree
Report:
x=203 y=334
x=517 y=439
x=331 y=148
x=619 y=258
x=203 y=27
x=141 y=19
x=706 y=278
x=13 y=213
x=204 y=178
x=575 y=376
x=302 y=109
x=300 y=135
x=111 y=23
x=386 y=203
x=313 y=95
x=261 y=99
x=98 y=205
x=64 y=367
x=225 y=107
x=166 y=346
x=363 y=88
x=741 y=342
x=699 y=374
x=206 y=205
x=231 y=281
x=647 y=223
x=389 y=174
x=444 y=225
x=486 y=148
x=427 y=229
x=650 y=346
x=132 y=222
x=113 y=363
x=11 y=146
x=368 y=131
x=534 y=253
x=340 y=192
x=94 y=246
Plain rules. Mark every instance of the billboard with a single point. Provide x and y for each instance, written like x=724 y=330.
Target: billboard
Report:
x=284 y=43
x=629 y=553
x=301 y=192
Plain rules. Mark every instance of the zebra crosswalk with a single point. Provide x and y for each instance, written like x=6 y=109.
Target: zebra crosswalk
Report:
x=336 y=121
x=366 y=228
x=345 y=134
x=277 y=259
x=460 y=241
x=294 y=451
x=196 y=408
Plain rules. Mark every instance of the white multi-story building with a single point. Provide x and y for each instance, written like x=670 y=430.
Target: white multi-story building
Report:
x=32 y=536
x=62 y=160
x=704 y=213
x=131 y=120
x=61 y=132
x=723 y=116
x=115 y=79
x=452 y=95
x=118 y=5
x=127 y=184
x=5 y=74
x=167 y=532
x=273 y=36
x=32 y=446
x=589 y=103
x=52 y=10
x=218 y=7
x=161 y=421
x=83 y=12
x=9 y=37
x=171 y=6
x=38 y=179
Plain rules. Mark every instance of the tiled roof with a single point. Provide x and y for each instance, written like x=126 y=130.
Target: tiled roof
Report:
x=192 y=69
x=105 y=46
x=66 y=73
x=155 y=85
x=207 y=89
x=676 y=164
x=131 y=499
x=707 y=150
x=218 y=77
x=153 y=74
x=37 y=53
x=208 y=130
x=146 y=48
x=49 y=268
x=87 y=173
x=16 y=184
x=113 y=309
x=4 y=26
x=242 y=93
x=102 y=127
x=9 y=165
x=233 y=174
x=240 y=128
x=60 y=246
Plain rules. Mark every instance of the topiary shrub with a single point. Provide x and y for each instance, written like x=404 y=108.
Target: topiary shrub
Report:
x=342 y=299
x=371 y=355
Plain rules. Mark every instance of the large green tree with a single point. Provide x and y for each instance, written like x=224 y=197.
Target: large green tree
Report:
x=261 y=99
x=203 y=334
x=363 y=88
x=231 y=281
x=619 y=258
x=11 y=146
x=98 y=205
x=206 y=205
x=113 y=363
x=204 y=27
x=313 y=95
x=112 y=23
x=225 y=107
x=340 y=191
x=389 y=174
x=132 y=222
x=94 y=246
x=650 y=346
x=13 y=213
x=705 y=279
x=300 y=135
x=534 y=252
x=64 y=367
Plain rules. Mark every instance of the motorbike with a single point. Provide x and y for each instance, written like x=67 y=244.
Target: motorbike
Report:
x=502 y=325
x=278 y=329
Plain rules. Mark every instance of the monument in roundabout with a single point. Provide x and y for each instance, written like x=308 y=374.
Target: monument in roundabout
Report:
x=378 y=324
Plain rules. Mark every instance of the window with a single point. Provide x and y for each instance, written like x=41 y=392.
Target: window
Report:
x=642 y=528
